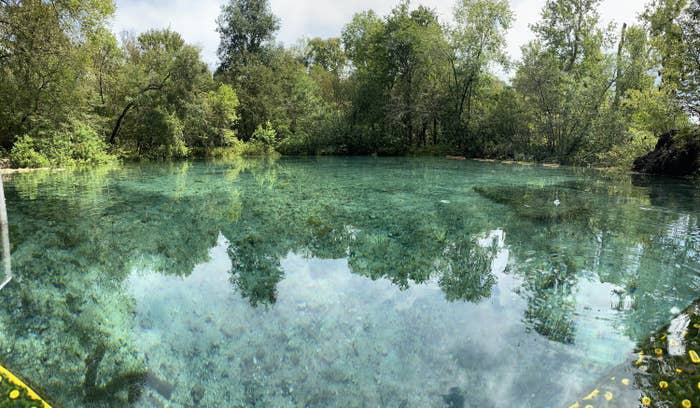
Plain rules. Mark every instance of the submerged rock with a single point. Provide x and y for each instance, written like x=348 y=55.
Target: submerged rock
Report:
x=676 y=154
x=454 y=399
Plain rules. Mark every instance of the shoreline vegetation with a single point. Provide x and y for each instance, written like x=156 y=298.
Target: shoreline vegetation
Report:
x=11 y=170
x=407 y=83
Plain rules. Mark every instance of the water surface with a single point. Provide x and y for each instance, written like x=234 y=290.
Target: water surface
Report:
x=348 y=282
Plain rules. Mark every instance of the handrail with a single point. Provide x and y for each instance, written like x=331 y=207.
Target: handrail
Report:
x=5 y=238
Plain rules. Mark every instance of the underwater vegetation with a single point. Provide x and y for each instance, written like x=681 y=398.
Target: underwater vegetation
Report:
x=337 y=282
x=545 y=203
x=664 y=370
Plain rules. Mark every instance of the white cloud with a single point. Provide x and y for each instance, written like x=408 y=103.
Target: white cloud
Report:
x=196 y=20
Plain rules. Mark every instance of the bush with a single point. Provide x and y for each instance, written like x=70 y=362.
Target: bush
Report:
x=639 y=142
x=160 y=136
x=263 y=140
x=75 y=144
x=297 y=144
x=24 y=154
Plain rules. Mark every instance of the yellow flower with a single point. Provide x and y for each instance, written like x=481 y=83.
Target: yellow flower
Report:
x=694 y=356
x=646 y=401
x=663 y=385
x=593 y=394
x=608 y=396
x=686 y=403
x=658 y=352
x=14 y=394
x=625 y=381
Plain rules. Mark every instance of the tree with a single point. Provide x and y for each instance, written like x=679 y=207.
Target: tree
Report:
x=369 y=82
x=410 y=39
x=477 y=39
x=689 y=91
x=210 y=118
x=327 y=54
x=632 y=63
x=245 y=27
x=666 y=36
x=166 y=88
x=44 y=61
x=565 y=79
x=398 y=65
x=672 y=27
x=568 y=29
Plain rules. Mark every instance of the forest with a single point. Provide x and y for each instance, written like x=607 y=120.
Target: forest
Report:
x=406 y=83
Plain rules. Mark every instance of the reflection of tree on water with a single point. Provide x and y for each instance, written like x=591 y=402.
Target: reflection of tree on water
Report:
x=380 y=241
x=72 y=253
x=465 y=271
x=599 y=231
x=255 y=272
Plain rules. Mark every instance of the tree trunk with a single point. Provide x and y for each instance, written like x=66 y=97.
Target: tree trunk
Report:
x=618 y=69
x=434 y=130
x=118 y=125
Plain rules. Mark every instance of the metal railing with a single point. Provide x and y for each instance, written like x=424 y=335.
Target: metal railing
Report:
x=5 y=238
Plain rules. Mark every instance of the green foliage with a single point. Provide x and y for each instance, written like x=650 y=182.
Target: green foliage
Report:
x=76 y=144
x=326 y=54
x=245 y=27
x=568 y=29
x=169 y=103
x=689 y=91
x=653 y=110
x=24 y=154
x=396 y=89
x=209 y=119
x=477 y=40
x=401 y=83
x=666 y=36
x=161 y=135
x=44 y=58
x=565 y=80
x=622 y=155
x=264 y=139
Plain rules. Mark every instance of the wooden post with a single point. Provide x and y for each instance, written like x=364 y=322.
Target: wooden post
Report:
x=5 y=238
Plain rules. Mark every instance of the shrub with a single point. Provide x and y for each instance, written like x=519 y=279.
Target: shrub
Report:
x=74 y=144
x=639 y=142
x=24 y=154
x=263 y=140
x=160 y=135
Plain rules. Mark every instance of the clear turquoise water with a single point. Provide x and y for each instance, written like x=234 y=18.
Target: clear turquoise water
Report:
x=339 y=282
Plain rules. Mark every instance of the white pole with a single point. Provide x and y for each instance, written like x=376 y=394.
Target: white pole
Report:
x=5 y=232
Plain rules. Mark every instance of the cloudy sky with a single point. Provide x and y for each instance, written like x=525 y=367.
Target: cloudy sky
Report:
x=196 y=20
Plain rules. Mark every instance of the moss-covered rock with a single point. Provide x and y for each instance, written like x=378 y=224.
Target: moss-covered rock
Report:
x=677 y=153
